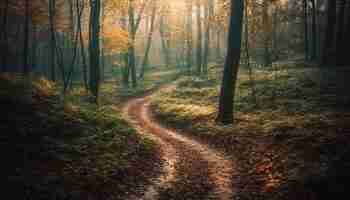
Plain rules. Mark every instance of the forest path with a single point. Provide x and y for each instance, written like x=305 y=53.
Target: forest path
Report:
x=191 y=170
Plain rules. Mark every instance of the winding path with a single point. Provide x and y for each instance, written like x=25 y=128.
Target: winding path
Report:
x=214 y=170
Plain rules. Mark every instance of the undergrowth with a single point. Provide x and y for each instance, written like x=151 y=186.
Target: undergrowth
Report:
x=67 y=151
x=289 y=134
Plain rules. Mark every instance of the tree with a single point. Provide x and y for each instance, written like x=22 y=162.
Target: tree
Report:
x=228 y=86
x=52 y=11
x=134 y=23
x=314 y=34
x=306 y=29
x=26 y=39
x=94 y=48
x=4 y=35
x=340 y=34
x=199 y=38
x=328 y=56
x=189 y=38
x=149 y=39
x=208 y=12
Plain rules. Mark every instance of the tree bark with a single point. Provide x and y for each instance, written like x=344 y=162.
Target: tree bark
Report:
x=52 y=10
x=164 y=40
x=228 y=86
x=328 y=56
x=199 y=38
x=4 y=38
x=26 y=40
x=306 y=30
x=189 y=38
x=340 y=42
x=267 y=59
x=149 y=40
x=208 y=12
x=95 y=49
x=314 y=31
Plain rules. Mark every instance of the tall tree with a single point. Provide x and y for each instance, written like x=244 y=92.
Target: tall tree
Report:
x=26 y=39
x=52 y=12
x=199 y=38
x=340 y=37
x=4 y=34
x=94 y=48
x=208 y=12
x=164 y=36
x=189 y=44
x=314 y=31
x=228 y=86
x=134 y=23
x=328 y=55
x=265 y=19
x=306 y=29
x=149 y=39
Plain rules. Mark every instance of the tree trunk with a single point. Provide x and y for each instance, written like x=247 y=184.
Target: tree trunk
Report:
x=267 y=59
x=189 y=38
x=80 y=9
x=131 y=50
x=340 y=43
x=52 y=10
x=218 y=44
x=95 y=49
x=228 y=86
x=314 y=31
x=34 y=48
x=149 y=41
x=328 y=56
x=306 y=30
x=4 y=38
x=164 y=40
x=26 y=40
x=199 y=38
x=208 y=14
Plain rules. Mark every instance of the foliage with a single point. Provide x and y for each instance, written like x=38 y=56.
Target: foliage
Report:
x=282 y=139
x=68 y=151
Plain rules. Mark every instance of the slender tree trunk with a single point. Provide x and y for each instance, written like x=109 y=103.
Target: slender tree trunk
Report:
x=103 y=64
x=95 y=48
x=131 y=51
x=4 y=38
x=340 y=34
x=314 y=31
x=52 y=10
x=199 y=38
x=149 y=40
x=80 y=9
x=266 y=33
x=306 y=30
x=26 y=40
x=189 y=38
x=34 y=48
x=208 y=13
x=218 y=44
x=328 y=56
x=163 y=35
x=228 y=86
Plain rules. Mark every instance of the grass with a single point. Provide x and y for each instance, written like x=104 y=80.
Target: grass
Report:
x=112 y=90
x=283 y=138
x=68 y=151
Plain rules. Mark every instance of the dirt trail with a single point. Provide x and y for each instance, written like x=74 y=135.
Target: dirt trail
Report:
x=176 y=147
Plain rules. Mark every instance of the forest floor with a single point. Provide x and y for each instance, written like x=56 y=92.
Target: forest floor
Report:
x=290 y=141
x=72 y=150
x=192 y=170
